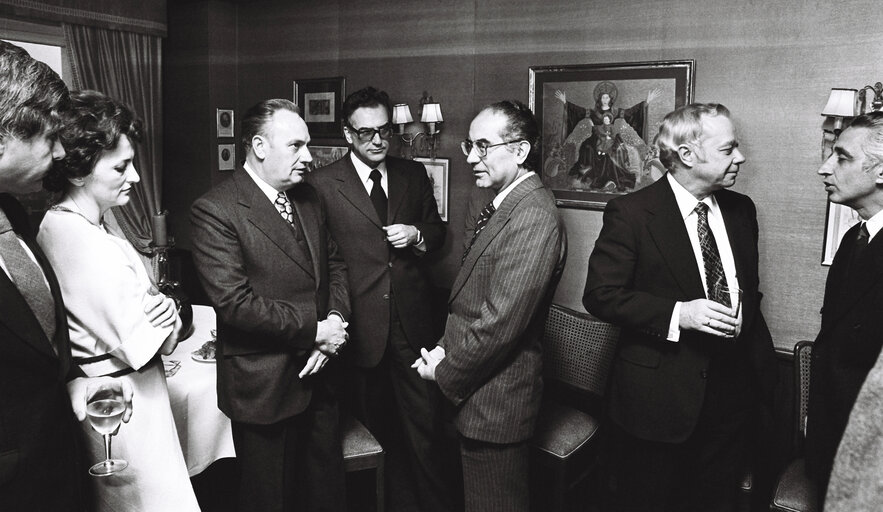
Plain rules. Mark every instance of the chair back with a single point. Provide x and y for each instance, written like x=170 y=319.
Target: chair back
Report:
x=578 y=349
x=802 y=362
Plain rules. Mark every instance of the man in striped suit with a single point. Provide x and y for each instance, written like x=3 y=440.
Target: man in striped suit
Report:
x=489 y=361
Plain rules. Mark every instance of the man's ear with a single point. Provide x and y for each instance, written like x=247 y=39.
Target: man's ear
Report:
x=878 y=173
x=521 y=151
x=257 y=147
x=348 y=136
x=686 y=155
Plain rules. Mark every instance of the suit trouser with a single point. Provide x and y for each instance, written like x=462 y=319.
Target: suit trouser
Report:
x=495 y=476
x=405 y=413
x=701 y=474
x=295 y=464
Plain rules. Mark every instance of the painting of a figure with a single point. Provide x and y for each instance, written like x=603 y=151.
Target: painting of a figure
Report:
x=598 y=125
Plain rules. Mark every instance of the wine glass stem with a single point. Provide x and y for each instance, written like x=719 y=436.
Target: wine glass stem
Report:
x=107 y=446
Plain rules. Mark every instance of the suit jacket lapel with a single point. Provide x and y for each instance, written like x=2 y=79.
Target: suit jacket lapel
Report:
x=493 y=228
x=17 y=314
x=265 y=217
x=670 y=235
x=397 y=183
x=310 y=224
x=353 y=191
x=739 y=236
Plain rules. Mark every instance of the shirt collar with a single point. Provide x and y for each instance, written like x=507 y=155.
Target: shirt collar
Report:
x=364 y=170
x=265 y=187
x=498 y=200
x=874 y=225
x=687 y=201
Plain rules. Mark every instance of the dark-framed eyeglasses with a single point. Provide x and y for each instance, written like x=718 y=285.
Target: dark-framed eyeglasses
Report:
x=367 y=134
x=481 y=146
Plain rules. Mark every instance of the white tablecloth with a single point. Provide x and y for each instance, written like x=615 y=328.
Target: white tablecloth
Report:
x=204 y=431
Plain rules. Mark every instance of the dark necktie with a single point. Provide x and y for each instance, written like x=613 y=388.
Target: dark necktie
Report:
x=861 y=243
x=28 y=277
x=483 y=218
x=378 y=196
x=283 y=204
x=715 y=279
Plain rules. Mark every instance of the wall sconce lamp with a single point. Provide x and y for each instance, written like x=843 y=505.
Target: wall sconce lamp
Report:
x=845 y=104
x=430 y=114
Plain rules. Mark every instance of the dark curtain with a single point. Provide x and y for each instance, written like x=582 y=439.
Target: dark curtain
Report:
x=126 y=66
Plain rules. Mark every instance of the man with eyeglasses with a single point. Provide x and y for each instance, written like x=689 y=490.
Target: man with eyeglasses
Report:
x=489 y=361
x=383 y=215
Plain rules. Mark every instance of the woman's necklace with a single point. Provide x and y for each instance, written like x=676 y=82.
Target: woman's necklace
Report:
x=62 y=208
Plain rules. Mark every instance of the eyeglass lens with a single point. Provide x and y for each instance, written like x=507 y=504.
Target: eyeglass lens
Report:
x=367 y=134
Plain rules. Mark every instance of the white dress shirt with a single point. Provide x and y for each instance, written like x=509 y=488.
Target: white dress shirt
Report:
x=687 y=205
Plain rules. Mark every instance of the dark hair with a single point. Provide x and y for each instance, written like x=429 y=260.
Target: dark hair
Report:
x=367 y=97
x=258 y=116
x=684 y=126
x=94 y=124
x=32 y=96
x=521 y=125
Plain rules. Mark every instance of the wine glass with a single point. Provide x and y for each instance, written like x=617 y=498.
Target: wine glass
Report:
x=104 y=408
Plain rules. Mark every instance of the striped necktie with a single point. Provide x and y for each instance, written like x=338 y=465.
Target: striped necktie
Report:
x=483 y=218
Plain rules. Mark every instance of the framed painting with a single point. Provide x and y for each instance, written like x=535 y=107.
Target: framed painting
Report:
x=224 y=122
x=598 y=122
x=226 y=157
x=320 y=101
x=437 y=169
x=326 y=155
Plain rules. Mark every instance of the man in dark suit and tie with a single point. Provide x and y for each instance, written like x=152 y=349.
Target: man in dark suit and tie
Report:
x=851 y=334
x=384 y=218
x=692 y=366
x=489 y=361
x=279 y=288
x=39 y=437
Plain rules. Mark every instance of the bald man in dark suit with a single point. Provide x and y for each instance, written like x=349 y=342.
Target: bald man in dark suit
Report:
x=489 y=361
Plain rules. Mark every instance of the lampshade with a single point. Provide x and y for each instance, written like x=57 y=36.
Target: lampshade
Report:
x=841 y=103
x=432 y=113
x=401 y=114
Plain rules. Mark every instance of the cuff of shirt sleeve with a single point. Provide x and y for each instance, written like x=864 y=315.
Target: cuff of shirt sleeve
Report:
x=674 y=326
x=420 y=245
x=337 y=314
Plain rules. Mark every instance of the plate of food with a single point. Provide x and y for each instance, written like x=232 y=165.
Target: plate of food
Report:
x=205 y=353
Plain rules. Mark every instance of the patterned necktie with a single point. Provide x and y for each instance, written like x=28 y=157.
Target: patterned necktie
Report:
x=378 y=196
x=28 y=278
x=715 y=279
x=483 y=218
x=283 y=204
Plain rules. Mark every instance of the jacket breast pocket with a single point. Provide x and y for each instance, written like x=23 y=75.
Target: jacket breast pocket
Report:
x=641 y=355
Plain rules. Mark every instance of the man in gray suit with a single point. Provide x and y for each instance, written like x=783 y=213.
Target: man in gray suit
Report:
x=489 y=361
x=278 y=286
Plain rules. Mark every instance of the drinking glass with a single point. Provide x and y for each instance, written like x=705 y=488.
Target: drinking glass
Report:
x=104 y=408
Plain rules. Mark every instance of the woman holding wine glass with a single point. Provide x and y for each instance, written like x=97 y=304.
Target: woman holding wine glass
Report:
x=105 y=289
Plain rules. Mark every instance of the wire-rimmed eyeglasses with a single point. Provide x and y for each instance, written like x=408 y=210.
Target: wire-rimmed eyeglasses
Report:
x=367 y=134
x=481 y=146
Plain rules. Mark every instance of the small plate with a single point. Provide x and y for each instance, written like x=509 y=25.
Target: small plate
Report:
x=198 y=354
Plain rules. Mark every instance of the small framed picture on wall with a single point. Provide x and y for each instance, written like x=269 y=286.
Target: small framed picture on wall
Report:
x=224 y=120
x=226 y=157
x=320 y=101
x=437 y=169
